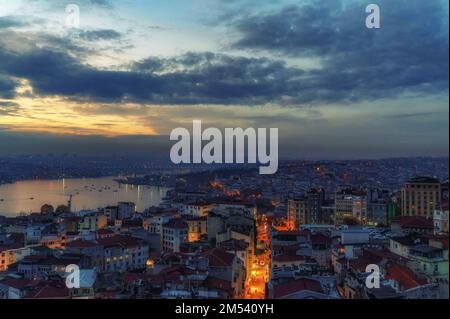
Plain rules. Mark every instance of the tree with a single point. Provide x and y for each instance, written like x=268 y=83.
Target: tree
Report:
x=47 y=209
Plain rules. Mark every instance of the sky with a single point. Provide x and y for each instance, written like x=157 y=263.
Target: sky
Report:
x=132 y=71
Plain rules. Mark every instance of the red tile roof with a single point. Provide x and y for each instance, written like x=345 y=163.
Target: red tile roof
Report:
x=373 y=257
x=119 y=240
x=19 y=283
x=176 y=271
x=48 y=291
x=413 y=222
x=361 y=262
x=289 y=288
x=404 y=276
x=443 y=239
x=218 y=257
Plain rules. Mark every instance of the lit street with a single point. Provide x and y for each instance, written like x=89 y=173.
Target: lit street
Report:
x=256 y=284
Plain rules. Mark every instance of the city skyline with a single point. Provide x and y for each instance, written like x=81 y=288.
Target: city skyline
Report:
x=197 y=156
x=133 y=71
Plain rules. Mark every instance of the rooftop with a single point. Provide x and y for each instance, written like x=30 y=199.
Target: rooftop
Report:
x=218 y=257
x=413 y=222
x=288 y=288
x=404 y=276
x=424 y=180
x=176 y=224
x=79 y=243
x=290 y=257
x=119 y=240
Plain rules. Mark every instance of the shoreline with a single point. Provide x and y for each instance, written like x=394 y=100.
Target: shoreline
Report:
x=56 y=179
x=37 y=192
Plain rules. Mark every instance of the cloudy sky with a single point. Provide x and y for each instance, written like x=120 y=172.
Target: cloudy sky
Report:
x=134 y=70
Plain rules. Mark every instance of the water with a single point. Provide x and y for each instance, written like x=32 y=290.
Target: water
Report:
x=88 y=193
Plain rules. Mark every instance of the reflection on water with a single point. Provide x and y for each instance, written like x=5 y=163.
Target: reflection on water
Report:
x=29 y=196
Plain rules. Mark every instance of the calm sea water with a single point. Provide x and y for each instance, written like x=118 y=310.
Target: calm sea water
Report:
x=29 y=196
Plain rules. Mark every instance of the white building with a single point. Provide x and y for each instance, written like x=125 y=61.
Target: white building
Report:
x=196 y=209
x=351 y=204
x=440 y=221
x=124 y=253
x=174 y=234
x=154 y=224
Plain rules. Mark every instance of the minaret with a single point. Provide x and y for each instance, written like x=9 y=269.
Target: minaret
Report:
x=69 y=203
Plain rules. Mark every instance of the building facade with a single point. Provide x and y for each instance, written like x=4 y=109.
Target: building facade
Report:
x=420 y=197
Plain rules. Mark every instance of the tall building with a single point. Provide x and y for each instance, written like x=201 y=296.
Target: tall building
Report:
x=111 y=212
x=350 y=204
x=314 y=200
x=420 y=196
x=305 y=209
x=296 y=212
x=175 y=232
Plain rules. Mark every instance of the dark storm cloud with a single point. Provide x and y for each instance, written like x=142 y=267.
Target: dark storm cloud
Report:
x=408 y=55
x=206 y=78
x=408 y=52
x=320 y=28
x=199 y=78
x=7 y=86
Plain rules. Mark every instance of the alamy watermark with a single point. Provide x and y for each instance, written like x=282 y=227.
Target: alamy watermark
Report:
x=73 y=16
x=373 y=19
x=73 y=277
x=260 y=148
x=373 y=279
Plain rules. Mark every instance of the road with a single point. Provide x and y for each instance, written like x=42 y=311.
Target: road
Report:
x=256 y=284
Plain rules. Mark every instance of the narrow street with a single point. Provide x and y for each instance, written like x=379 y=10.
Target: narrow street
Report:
x=256 y=284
